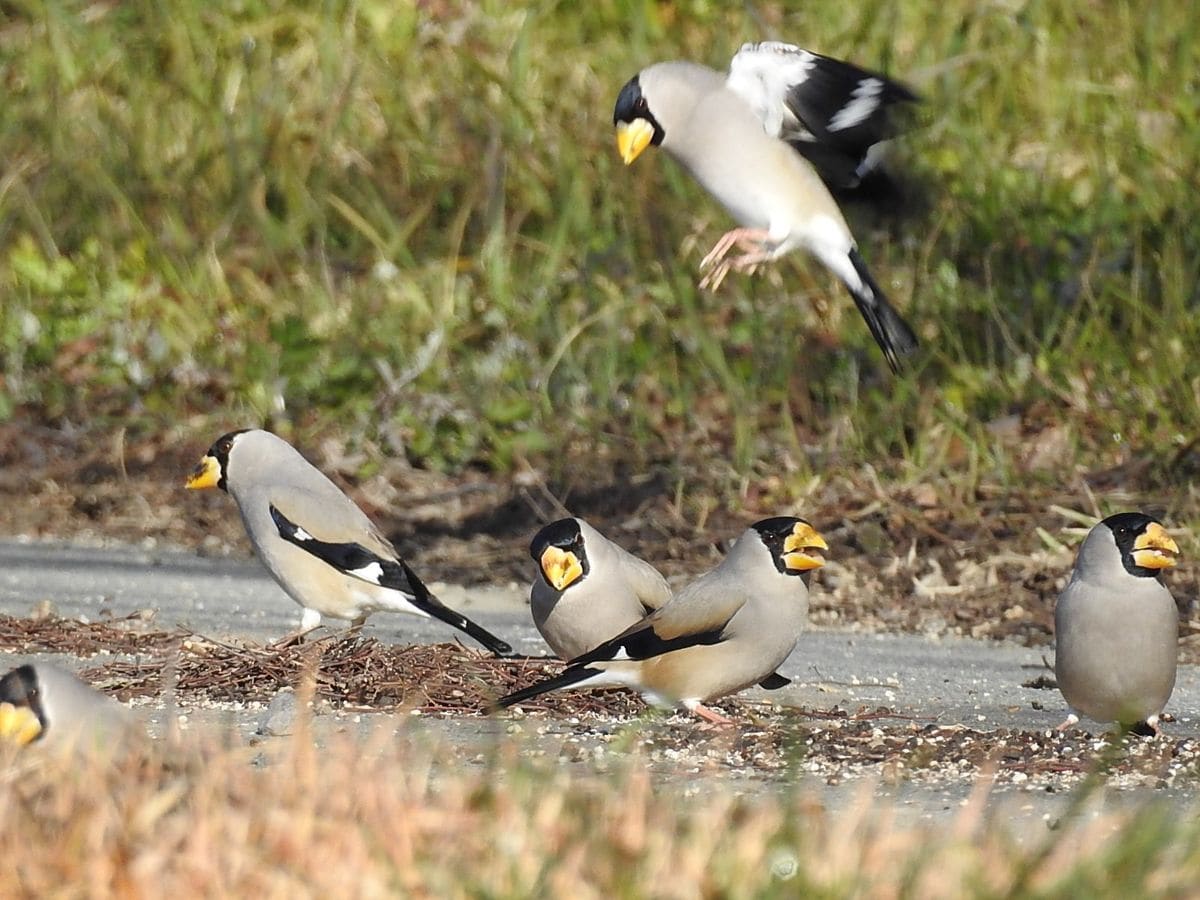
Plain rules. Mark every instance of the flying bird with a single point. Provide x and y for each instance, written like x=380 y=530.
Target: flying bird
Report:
x=751 y=137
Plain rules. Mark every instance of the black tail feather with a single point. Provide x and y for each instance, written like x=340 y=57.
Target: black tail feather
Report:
x=890 y=331
x=567 y=677
x=774 y=682
x=424 y=600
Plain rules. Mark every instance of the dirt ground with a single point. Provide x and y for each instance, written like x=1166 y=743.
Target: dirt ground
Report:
x=452 y=689
x=914 y=559
x=917 y=559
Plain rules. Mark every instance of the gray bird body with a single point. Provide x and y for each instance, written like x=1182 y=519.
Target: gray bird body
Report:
x=759 y=612
x=265 y=471
x=70 y=711
x=618 y=590
x=727 y=630
x=314 y=540
x=761 y=180
x=1116 y=637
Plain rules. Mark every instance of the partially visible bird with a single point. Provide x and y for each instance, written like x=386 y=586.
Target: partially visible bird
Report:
x=317 y=544
x=1116 y=625
x=745 y=138
x=41 y=702
x=588 y=589
x=727 y=630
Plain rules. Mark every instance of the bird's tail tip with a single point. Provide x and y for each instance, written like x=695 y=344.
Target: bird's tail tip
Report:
x=893 y=335
x=571 y=675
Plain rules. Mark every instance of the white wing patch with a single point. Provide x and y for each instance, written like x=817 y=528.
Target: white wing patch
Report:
x=372 y=572
x=864 y=100
x=369 y=600
x=762 y=74
x=302 y=535
x=619 y=677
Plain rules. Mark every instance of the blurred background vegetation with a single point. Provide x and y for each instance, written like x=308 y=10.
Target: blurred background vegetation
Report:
x=407 y=224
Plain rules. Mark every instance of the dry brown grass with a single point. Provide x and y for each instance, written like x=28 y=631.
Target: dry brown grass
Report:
x=385 y=816
x=351 y=674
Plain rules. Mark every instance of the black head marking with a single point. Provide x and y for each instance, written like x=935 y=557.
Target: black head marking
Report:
x=566 y=535
x=220 y=452
x=774 y=532
x=775 y=529
x=20 y=688
x=631 y=105
x=1127 y=527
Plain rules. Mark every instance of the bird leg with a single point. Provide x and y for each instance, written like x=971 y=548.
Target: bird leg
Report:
x=753 y=242
x=295 y=637
x=308 y=622
x=708 y=715
x=1068 y=722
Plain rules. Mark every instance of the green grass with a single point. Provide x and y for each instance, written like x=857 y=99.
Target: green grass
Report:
x=409 y=224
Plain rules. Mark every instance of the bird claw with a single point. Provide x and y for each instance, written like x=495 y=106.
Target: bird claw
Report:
x=709 y=715
x=749 y=240
x=713 y=279
x=295 y=638
x=723 y=245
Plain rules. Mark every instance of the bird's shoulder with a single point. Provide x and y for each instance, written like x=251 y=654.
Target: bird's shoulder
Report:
x=331 y=518
x=697 y=615
x=763 y=75
x=710 y=600
x=646 y=582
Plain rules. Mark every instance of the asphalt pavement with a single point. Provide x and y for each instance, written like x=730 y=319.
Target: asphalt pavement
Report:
x=978 y=684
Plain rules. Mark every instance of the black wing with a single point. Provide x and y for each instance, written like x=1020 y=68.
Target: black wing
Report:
x=357 y=561
x=846 y=107
x=351 y=558
x=830 y=111
x=639 y=641
x=642 y=641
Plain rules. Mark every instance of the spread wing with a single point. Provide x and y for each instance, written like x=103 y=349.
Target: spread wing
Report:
x=832 y=112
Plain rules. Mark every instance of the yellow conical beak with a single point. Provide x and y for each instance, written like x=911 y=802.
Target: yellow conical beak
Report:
x=561 y=567
x=798 y=547
x=207 y=474
x=18 y=724
x=632 y=138
x=1155 y=549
